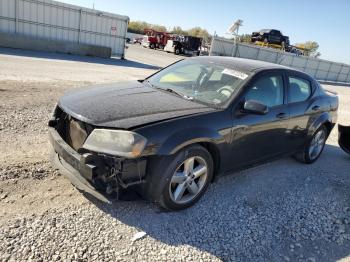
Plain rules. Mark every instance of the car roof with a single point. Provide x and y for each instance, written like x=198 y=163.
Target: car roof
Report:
x=243 y=64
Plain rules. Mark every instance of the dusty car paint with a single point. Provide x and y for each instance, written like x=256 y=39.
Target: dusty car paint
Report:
x=125 y=105
x=234 y=138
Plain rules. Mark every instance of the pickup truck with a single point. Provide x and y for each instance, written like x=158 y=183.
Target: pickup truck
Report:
x=270 y=36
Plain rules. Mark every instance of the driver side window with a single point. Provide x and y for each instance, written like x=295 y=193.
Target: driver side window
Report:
x=267 y=90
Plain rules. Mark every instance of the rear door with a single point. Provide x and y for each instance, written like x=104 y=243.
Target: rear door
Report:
x=303 y=107
x=259 y=137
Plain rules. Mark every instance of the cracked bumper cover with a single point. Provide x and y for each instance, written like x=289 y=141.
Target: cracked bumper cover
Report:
x=74 y=166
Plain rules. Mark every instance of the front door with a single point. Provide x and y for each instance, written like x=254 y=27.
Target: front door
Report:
x=258 y=137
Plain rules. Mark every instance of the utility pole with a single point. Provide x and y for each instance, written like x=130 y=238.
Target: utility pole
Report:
x=233 y=29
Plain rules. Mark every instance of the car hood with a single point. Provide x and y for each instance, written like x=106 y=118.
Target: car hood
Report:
x=126 y=105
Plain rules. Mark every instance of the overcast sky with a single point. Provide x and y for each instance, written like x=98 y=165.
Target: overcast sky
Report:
x=326 y=22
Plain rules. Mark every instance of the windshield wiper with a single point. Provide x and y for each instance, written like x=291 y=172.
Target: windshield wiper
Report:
x=170 y=90
x=178 y=93
x=173 y=91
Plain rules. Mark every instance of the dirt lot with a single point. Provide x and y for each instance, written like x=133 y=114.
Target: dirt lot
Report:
x=281 y=211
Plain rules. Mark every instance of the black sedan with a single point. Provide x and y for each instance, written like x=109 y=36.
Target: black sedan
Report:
x=168 y=136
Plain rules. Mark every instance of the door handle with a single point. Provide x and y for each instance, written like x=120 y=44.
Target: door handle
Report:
x=316 y=108
x=281 y=115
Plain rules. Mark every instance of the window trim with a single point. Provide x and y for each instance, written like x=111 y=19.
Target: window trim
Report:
x=288 y=75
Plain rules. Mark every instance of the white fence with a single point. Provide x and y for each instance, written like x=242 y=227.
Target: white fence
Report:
x=53 y=20
x=318 y=68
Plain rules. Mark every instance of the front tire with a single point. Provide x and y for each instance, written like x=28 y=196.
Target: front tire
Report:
x=181 y=180
x=314 y=147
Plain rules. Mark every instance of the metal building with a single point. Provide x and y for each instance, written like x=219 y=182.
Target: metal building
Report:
x=51 y=20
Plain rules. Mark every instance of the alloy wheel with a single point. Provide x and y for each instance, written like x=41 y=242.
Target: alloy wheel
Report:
x=317 y=144
x=188 y=180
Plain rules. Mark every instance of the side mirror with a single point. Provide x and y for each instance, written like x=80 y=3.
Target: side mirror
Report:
x=255 y=107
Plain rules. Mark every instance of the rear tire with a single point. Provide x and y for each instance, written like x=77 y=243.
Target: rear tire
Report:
x=314 y=147
x=177 y=51
x=180 y=180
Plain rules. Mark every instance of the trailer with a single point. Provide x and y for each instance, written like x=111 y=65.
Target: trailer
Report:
x=53 y=26
x=186 y=45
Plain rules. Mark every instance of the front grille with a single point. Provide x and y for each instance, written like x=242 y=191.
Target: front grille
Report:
x=74 y=132
x=77 y=134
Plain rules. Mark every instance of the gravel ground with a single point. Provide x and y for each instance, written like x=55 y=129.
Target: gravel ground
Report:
x=281 y=211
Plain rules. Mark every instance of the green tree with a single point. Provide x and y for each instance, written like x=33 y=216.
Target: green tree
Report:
x=178 y=31
x=138 y=27
x=245 y=38
x=310 y=48
x=159 y=28
x=200 y=32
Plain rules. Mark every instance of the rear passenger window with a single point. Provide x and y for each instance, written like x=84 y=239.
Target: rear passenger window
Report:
x=299 y=89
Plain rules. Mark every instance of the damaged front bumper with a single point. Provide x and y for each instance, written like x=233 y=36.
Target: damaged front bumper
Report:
x=95 y=173
x=344 y=138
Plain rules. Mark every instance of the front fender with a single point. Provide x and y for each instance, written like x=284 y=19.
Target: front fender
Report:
x=188 y=136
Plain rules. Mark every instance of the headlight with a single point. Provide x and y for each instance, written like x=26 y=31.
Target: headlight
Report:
x=116 y=142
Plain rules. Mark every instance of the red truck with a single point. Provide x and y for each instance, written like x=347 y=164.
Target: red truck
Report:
x=154 y=39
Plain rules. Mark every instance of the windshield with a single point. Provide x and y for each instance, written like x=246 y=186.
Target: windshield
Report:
x=204 y=81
